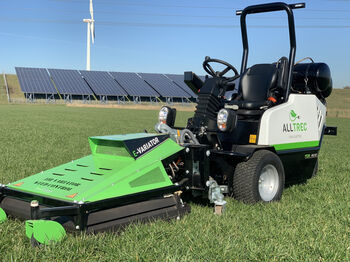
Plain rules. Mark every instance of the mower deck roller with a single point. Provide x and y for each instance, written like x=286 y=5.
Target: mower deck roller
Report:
x=111 y=219
x=123 y=181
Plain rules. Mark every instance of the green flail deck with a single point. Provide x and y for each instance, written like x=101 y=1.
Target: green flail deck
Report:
x=119 y=165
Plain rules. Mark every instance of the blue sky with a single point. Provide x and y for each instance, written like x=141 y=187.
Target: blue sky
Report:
x=164 y=36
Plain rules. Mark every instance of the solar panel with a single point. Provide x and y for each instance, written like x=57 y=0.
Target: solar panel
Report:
x=179 y=80
x=163 y=85
x=202 y=78
x=133 y=84
x=102 y=83
x=35 y=80
x=69 y=82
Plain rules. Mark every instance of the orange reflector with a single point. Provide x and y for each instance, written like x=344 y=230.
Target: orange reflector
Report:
x=178 y=133
x=272 y=99
x=19 y=184
x=72 y=195
x=252 y=139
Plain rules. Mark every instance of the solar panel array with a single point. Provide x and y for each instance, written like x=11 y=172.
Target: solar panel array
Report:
x=179 y=80
x=69 y=82
x=134 y=84
x=35 y=80
x=74 y=82
x=102 y=83
x=163 y=85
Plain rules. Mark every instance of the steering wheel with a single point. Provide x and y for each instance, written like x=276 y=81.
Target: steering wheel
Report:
x=213 y=73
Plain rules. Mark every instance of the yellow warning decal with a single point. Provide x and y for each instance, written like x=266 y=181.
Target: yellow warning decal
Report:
x=252 y=139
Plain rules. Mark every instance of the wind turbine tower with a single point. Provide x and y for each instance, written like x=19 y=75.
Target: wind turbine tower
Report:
x=90 y=33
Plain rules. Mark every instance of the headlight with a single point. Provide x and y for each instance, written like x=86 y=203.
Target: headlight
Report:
x=163 y=114
x=226 y=120
x=167 y=116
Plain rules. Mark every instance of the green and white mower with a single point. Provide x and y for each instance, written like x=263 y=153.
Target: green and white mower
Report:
x=251 y=134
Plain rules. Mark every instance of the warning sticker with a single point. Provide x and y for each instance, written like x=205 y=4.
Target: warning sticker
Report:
x=57 y=184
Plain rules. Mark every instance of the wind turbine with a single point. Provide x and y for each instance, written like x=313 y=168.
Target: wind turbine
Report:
x=90 y=33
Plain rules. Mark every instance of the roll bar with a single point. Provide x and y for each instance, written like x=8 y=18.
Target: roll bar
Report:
x=271 y=7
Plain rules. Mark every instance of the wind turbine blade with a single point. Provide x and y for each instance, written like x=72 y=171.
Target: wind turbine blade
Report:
x=92 y=27
x=91 y=10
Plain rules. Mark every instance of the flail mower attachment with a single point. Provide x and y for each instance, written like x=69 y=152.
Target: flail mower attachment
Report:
x=123 y=181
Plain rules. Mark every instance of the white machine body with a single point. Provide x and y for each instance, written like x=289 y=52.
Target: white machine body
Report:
x=295 y=124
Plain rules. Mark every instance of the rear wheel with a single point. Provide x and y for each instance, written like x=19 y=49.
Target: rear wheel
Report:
x=261 y=178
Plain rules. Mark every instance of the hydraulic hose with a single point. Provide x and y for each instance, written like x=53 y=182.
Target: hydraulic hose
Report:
x=163 y=128
x=187 y=132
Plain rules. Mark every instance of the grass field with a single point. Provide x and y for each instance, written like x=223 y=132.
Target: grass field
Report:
x=311 y=223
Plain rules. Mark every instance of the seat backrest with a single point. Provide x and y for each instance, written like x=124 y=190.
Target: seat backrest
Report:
x=256 y=82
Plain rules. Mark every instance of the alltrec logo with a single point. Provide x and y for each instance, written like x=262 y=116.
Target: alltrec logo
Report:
x=293 y=116
x=294 y=125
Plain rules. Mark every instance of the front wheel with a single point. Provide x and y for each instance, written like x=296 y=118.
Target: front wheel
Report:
x=261 y=178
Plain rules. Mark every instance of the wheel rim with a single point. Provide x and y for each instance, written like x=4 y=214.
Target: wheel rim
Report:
x=268 y=182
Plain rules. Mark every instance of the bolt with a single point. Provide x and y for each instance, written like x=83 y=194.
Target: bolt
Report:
x=81 y=202
x=187 y=150
x=34 y=203
x=178 y=217
x=207 y=153
x=187 y=172
x=77 y=227
x=176 y=184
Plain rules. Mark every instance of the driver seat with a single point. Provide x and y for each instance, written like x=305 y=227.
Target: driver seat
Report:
x=254 y=86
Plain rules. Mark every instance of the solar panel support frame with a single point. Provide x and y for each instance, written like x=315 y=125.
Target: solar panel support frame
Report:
x=30 y=97
x=103 y=99
x=67 y=98
x=86 y=99
x=50 y=98
x=185 y=101
x=169 y=100
x=121 y=99
x=153 y=100
x=136 y=99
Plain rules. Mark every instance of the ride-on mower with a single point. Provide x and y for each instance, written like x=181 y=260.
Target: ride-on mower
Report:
x=247 y=144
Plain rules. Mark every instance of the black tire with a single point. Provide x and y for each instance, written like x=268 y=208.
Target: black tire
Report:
x=247 y=174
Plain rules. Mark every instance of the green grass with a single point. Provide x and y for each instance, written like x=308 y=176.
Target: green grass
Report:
x=311 y=223
x=338 y=103
x=14 y=88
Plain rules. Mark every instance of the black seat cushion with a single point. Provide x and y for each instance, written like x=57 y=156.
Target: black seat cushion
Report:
x=255 y=84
